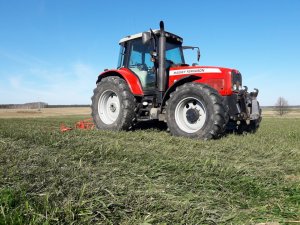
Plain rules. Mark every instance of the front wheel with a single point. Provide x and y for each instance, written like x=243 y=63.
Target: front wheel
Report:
x=196 y=110
x=251 y=128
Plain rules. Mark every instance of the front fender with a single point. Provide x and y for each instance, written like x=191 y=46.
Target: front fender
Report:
x=179 y=82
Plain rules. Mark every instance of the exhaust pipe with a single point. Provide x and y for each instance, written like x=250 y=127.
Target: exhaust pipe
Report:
x=162 y=78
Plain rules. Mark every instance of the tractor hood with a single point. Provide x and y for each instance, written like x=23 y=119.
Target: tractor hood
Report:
x=220 y=78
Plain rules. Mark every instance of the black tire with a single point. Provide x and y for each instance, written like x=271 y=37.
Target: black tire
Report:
x=252 y=127
x=120 y=114
x=211 y=120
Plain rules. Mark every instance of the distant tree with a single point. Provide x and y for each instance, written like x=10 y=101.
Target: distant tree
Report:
x=281 y=106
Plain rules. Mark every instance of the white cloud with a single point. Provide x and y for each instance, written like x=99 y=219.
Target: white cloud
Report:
x=15 y=81
x=21 y=58
x=73 y=85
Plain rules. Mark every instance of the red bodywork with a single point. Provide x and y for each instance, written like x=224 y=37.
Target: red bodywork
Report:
x=217 y=77
x=130 y=77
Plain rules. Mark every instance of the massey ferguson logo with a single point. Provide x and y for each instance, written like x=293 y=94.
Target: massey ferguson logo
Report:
x=194 y=71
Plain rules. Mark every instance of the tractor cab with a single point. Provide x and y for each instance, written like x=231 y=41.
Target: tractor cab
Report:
x=140 y=56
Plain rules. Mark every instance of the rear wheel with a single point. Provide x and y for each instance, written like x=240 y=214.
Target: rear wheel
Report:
x=197 y=111
x=113 y=104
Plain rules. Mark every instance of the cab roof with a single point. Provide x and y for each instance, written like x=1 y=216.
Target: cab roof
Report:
x=139 y=35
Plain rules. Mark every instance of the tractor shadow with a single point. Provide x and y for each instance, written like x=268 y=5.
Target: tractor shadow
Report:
x=162 y=126
x=151 y=125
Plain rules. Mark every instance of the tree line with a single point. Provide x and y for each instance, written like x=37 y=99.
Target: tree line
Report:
x=37 y=105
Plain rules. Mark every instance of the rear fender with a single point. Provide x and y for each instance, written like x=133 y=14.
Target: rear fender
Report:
x=131 y=79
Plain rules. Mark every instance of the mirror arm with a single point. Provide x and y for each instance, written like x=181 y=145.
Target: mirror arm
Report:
x=192 y=48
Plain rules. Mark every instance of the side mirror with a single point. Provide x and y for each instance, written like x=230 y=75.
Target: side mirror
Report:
x=191 y=47
x=146 y=37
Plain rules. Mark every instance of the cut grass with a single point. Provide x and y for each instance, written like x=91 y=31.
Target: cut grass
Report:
x=147 y=176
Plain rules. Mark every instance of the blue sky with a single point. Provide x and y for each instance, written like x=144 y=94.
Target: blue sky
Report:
x=53 y=50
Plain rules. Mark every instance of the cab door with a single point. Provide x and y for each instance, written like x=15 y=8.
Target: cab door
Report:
x=139 y=62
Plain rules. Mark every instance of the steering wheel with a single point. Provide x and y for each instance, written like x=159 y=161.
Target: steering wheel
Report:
x=142 y=66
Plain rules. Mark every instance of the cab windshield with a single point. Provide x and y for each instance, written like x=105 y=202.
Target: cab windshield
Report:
x=174 y=53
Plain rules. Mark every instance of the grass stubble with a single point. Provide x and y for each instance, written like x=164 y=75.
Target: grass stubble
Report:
x=147 y=176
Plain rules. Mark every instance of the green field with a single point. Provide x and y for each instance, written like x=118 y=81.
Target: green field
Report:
x=147 y=176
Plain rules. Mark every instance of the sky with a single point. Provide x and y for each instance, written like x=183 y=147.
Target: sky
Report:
x=53 y=50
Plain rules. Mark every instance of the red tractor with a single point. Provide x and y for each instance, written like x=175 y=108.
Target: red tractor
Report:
x=153 y=82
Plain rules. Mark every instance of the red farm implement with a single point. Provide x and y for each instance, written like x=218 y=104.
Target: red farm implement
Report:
x=86 y=124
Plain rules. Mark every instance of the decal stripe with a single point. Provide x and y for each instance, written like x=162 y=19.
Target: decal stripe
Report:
x=194 y=71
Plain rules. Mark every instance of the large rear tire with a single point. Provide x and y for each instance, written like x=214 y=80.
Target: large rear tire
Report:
x=113 y=104
x=196 y=111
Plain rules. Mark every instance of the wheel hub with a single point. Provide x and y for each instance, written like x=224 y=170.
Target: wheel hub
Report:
x=192 y=115
x=112 y=107
x=108 y=107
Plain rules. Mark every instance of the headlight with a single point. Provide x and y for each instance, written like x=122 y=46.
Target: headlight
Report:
x=236 y=80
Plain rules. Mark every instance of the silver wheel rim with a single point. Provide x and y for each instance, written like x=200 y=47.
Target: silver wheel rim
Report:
x=183 y=112
x=108 y=107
